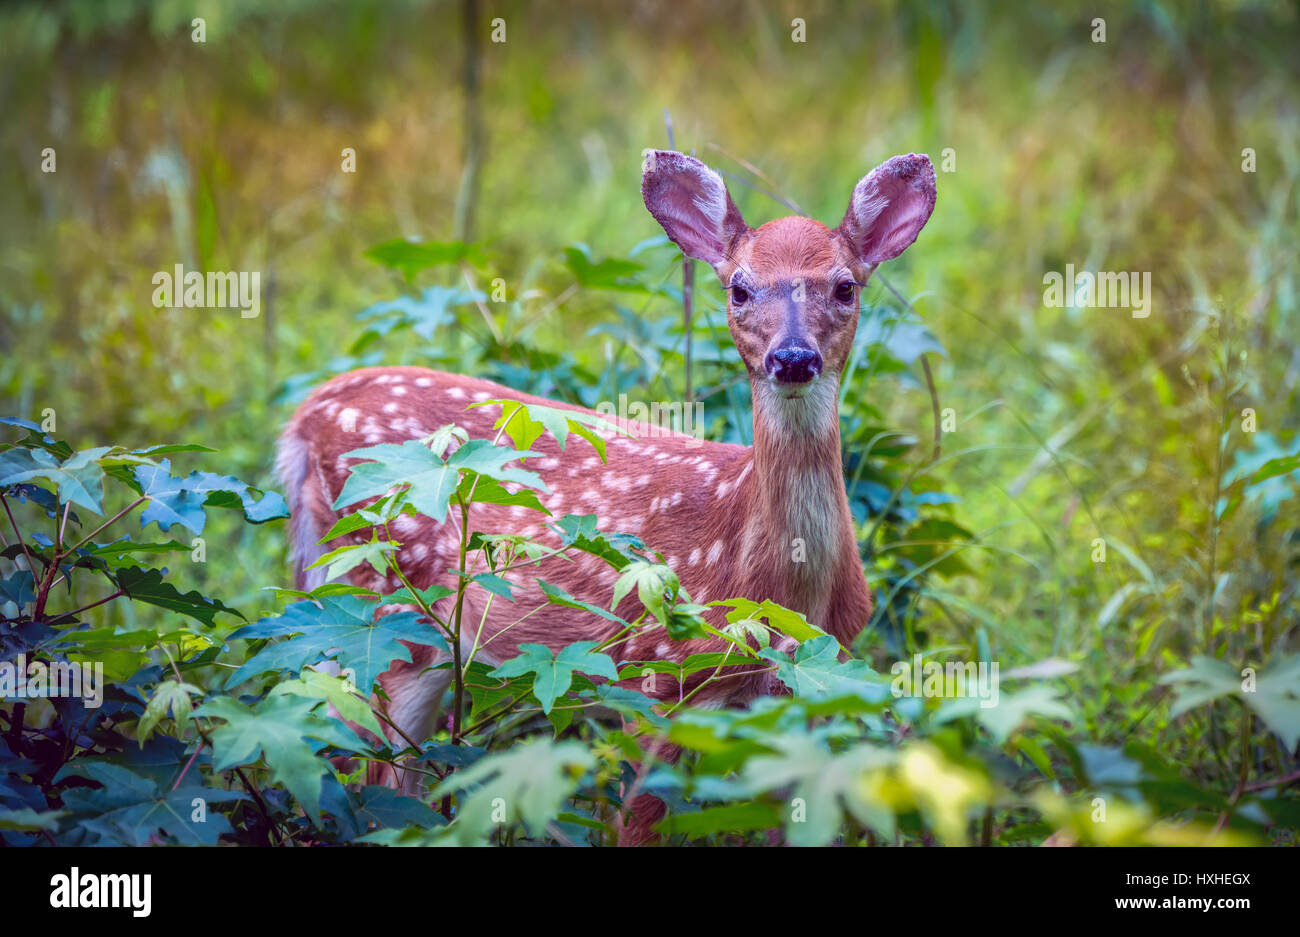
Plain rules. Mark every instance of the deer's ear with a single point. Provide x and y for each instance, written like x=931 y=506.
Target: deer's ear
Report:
x=890 y=206
x=690 y=202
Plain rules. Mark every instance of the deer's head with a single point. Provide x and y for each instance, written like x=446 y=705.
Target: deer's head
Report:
x=792 y=284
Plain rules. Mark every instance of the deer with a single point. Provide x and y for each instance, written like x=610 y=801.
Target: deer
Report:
x=724 y=516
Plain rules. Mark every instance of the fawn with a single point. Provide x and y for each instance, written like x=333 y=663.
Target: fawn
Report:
x=726 y=517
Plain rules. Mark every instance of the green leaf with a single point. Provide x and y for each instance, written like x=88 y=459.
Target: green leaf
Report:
x=352 y=555
x=431 y=481
x=130 y=809
x=612 y=273
x=553 y=673
x=285 y=732
x=385 y=808
x=170 y=696
x=1276 y=698
x=905 y=339
x=557 y=596
x=176 y=500
x=731 y=818
x=578 y=532
x=532 y=781
x=1206 y=679
x=122 y=552
x=656 y=586
x=337 y=691
x=822 y=785
x=79 y=478
x=27 y=820
x=479 y=489
x=1010 y=711
x=816 y=672
x=342 y=628
x=523 y=423
x=147 y=585
x=423 y=315
x=784 y=620
x=430 y=595
x=410 y=257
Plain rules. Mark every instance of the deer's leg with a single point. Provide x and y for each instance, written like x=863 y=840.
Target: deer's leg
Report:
x=642 y=811
x=414 y=701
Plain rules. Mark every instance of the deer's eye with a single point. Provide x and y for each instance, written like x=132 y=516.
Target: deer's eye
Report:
x=739 y=295
x=844 y=292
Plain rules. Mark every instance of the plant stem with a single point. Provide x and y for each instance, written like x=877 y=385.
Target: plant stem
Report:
x=19 y=534
x=112 y=520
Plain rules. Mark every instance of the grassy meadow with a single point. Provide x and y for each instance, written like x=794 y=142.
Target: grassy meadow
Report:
x=1096 y=495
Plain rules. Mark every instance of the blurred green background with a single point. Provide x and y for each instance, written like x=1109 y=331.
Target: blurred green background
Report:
x=1071 y=424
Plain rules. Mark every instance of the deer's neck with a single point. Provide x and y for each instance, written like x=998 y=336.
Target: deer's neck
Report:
x=798 y=545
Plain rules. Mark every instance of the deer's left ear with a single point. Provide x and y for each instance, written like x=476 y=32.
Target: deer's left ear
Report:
x=890 y=206
x=691 y=203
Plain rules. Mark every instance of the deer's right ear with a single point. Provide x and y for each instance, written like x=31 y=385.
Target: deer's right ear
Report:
x=691 y=203
x=889 y=207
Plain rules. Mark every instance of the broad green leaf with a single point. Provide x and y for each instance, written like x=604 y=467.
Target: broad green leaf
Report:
x=656 y=585
x=285 y=732
x=532 y=780
x=816 y=672
x=611 y=273
x=424 y=314
x=431 y=481
x=147 y=585
x=524 y=423
x=177 y=500
x=578 y=532
x=784 y=620
x=131 y=810
x=337 y=691
x=1276 y=698
x=410 y=257
x=730 y=818
x=342 y=628
x=346 y=558
x=1206 y=679
x=170 y=696
x=79 y=478
x=1004 y=714
x=553 y=673
x=27 y=820
x=823 y=785
x=385 y=808
x=558 y=596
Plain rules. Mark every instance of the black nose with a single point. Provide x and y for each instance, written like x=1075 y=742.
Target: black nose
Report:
x=794 y=365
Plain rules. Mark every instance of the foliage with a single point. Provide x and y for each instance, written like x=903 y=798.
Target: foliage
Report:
x=1102 y=517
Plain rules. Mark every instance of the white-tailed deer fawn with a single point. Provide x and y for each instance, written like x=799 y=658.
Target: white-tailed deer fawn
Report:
x=728 y=518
